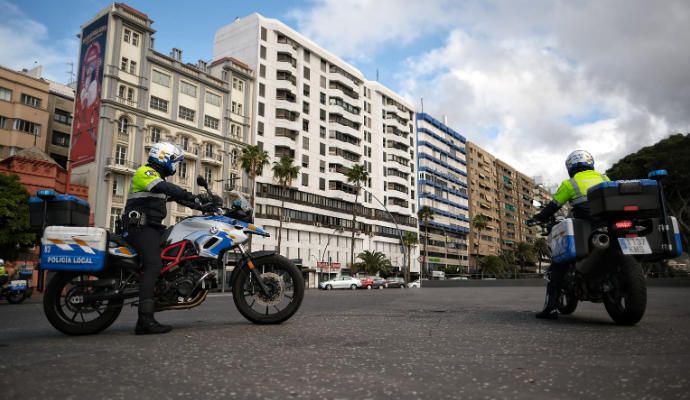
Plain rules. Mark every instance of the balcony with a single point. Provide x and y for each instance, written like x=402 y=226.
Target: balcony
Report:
x=395 y=131
x=119 y=198
x=342 y=187
x=122 y=136
x=125 y=101
x=190 y=151
x=212 y=158
x=338 y=169
x=229 y=187
x=340 y=152
x=336 y=84
x=286 y=60
x=121 y=165
x=287 y=133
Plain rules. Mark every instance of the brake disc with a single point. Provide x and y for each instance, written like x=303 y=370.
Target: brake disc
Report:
x=277 y=286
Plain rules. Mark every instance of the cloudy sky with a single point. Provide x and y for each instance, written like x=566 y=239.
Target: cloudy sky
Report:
x=528 y=80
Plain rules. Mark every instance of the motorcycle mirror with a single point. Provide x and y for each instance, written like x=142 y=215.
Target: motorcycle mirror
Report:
x=202 y=182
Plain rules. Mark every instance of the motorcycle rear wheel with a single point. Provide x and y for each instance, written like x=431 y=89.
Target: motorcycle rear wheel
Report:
x=66 y=314
x=16 y=298
x=567 y=303
x=283 y=277
x=627 y=303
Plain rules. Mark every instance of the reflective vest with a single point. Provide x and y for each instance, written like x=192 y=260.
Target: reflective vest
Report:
x=140 y=197
x=574 y=190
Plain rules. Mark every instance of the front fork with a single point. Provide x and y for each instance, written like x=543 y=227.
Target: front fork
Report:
x=250 y=264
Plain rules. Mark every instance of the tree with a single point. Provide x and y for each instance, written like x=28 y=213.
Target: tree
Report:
x=253 y=161
x=670 y=154
x=356 y=175
x=15 y=232
x=524 y=254
x=479 y=223
x=508 y=257
x=541 y=250
x=373 y=262
x=284 y=171
x=425 y=214
x=492 y=265
x=409 y=239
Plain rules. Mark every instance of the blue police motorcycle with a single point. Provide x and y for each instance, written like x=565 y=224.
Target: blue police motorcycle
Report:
x=97 y=272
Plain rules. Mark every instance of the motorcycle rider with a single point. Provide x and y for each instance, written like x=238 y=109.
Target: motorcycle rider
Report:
x=143 y=217
x=580 y=166
x=4 y=276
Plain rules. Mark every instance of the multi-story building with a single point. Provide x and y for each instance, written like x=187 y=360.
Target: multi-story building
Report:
x=505 y=197
x=442 y=182
x=322 y=112
x=483 y=197
x=145 y=97
x=60 y=107
x=24 y=112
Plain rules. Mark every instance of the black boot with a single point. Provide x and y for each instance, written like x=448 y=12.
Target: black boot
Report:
x=550 y=310
x=146 y=324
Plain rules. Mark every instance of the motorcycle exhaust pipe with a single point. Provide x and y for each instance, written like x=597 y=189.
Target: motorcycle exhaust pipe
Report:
x=600 y=243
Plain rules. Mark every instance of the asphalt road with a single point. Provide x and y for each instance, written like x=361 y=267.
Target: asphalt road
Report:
x=430 y=343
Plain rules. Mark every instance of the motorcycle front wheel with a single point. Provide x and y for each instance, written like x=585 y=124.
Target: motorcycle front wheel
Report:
x=66 y=310
x=286 y=286
x=16 y=297
x=567 y=303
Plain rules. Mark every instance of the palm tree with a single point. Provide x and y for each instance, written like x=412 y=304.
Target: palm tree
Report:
x=253 y=161
x=356 y=175
x=284 y=171
x=541 y=250
x=425 y=214
x=479 y=223
x=524 y=253
x=409 y=239
x=373 y=262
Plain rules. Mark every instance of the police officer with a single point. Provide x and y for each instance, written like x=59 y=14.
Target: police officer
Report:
x=580 y=165
x=4 y=276
x=143 y=216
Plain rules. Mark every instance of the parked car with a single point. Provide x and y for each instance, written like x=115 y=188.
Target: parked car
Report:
x=379 y=283
x=367 y=282
x=414 y=284
x=458 y=278
x=395 y=283
x=344 y=282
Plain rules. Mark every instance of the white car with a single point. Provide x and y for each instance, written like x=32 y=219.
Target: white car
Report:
x=413 y=285
x=344 y=282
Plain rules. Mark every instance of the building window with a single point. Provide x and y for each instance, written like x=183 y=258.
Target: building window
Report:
x=239 y=109
x=60 y=139
x=322 y=98
x=323 y=65
x=187 y=89
x=262 y=52
x=31 y=100
x=186 y=113
x=305 y=179
x=118 y=185
x=124 y=63
x=211 y=122
x=322 y=166
x=127 y=34
x=135 y=39
x=208 y=174
x=184 y=143
x=305 y=161
x=306 y=90
x=263 y=34
x=133 y=67
x=63 y=117
x=27 y=126
x=159 y=104
x=160 y=78
x=122 y=124
x=3 y=122
x=322 y=149
x=183 y=169
x=260 y=128
x=5 y=94
x=262 y=90
x=209 y=149
x=322 y=184
x=323 y=82
x=305 y=143
x=322 y=132
x=262 y=71
x=212 y=98
x=305 y=125
x=307 y=55
x=114 y=215
x=130 y=94
x=120 y=155
x=261 y=109
x=322 y=115
x=155 y=134
x=306 y=73
x=305 y=107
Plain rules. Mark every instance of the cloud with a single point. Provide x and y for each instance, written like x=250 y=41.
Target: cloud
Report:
x=532 y=80
x=25 y=43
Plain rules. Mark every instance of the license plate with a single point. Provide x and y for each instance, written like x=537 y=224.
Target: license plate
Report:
x=19 y=284
x=638 y=245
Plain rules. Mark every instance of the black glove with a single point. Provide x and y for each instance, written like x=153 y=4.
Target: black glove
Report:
x=532 y=222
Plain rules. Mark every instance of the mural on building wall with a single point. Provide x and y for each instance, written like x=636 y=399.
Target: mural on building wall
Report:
x=88 y=99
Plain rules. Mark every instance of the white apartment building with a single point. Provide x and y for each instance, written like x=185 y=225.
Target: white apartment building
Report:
x=316 y=108
x=146 y=97
x=442 y=166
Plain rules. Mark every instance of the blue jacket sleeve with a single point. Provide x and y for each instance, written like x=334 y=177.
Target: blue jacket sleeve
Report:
x=174 y=192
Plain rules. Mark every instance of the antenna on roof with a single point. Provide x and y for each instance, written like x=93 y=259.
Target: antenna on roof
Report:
x=71 y=73
x=377 y=74
x=422 y=100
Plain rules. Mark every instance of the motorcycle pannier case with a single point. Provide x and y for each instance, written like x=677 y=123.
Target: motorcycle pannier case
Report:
x=72 y=248
x=618 y=197
x=657 y=240
x=569 y=240
x=62 y=210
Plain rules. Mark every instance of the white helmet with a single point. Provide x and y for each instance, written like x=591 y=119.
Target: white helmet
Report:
x=579 y=160
x=167 y=155
x=2 y=262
